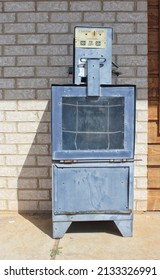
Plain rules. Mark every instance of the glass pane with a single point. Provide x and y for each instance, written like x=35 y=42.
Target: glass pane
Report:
x=92 y=123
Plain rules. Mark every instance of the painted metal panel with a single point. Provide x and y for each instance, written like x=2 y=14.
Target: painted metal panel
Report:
x=91 y=189
x=92 y=192
x=93 y=43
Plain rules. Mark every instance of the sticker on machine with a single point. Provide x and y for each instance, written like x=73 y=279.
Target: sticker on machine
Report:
x=90 y=38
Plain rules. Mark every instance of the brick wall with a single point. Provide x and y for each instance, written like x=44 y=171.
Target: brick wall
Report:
x=35 y=51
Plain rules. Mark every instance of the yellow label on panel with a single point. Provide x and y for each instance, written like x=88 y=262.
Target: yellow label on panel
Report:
x=93 y=38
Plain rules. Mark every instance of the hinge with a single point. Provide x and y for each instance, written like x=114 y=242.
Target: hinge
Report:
x=68 y=161
x=121 y=160
x=117 y=160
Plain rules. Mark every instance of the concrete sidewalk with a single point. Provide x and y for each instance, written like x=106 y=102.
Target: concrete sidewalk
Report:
x=30 y=237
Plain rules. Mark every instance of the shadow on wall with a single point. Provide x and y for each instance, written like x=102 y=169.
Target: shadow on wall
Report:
x=34 y=180
x=34 y=184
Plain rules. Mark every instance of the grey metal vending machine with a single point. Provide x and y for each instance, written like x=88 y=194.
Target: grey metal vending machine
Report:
x=93 y=138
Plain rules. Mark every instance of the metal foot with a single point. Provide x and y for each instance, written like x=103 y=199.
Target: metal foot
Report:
x=125 y=227
x=59 y=228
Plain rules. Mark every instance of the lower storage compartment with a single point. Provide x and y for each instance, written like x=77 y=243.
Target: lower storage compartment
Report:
x=92 y=188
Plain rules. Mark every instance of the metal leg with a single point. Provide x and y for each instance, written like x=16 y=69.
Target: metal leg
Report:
x=59 y=228
x=125 y=227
